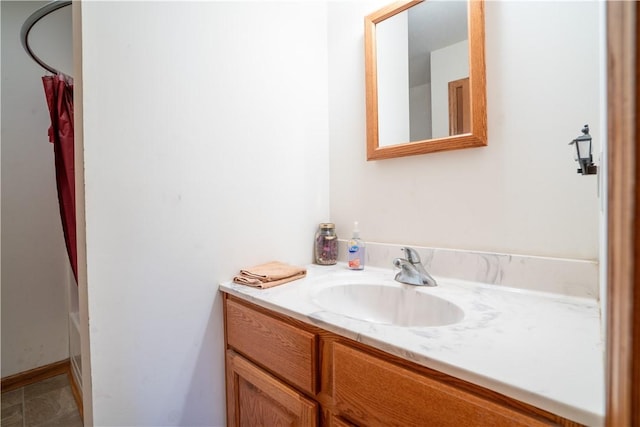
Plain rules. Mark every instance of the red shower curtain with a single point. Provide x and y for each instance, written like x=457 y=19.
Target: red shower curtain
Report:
x=59 y=92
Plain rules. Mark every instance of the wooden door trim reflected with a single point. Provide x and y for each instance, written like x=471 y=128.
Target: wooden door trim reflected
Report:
x=459 y=109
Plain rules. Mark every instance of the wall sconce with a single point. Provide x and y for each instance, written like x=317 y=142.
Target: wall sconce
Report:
x=583 y=153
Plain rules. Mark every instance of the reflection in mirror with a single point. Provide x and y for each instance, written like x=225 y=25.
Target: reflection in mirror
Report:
x=425 y=77
x=421 y=52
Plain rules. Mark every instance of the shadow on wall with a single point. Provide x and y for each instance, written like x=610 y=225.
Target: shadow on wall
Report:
x=206 y=389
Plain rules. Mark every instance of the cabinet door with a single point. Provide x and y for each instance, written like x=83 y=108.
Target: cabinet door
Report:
x=255 y=398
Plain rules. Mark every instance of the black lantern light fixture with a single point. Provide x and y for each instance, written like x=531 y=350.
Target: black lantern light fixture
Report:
x=583 y=153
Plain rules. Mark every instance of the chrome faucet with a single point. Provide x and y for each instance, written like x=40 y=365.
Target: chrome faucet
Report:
x=412 y=272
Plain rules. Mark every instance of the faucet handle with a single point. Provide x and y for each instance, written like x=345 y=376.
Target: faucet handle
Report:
x=412 y=255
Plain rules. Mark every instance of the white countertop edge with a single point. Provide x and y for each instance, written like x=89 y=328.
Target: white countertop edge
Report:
x=571 y=412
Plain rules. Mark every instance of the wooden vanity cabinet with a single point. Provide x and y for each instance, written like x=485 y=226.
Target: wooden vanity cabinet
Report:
x=283 y=372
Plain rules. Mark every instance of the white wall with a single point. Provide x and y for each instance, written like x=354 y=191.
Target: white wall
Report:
x=393 y=80
x=447 y=64
x=420 y=112
x=602 y=160
x=205 y=150
x=35 y=266
x=520 y=194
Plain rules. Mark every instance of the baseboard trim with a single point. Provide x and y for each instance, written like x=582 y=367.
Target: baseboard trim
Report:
x=21 y=379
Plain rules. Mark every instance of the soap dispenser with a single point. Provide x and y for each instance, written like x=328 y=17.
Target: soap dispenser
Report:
x=356 y=249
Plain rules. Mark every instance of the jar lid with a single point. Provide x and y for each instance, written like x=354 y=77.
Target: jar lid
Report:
x=327 y=225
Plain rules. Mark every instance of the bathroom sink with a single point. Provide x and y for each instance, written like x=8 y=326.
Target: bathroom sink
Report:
x=389 y=305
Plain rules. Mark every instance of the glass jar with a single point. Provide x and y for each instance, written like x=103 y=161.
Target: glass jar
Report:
x=326 y=244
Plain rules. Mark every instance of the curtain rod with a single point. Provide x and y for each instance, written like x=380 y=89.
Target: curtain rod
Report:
x=31 y=21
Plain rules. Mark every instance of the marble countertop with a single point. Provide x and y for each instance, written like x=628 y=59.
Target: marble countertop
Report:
x=540 y=348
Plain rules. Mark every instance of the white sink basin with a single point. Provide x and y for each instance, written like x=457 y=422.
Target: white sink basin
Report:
x=390 y=305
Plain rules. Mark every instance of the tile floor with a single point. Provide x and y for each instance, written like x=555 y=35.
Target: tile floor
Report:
x=47 y=403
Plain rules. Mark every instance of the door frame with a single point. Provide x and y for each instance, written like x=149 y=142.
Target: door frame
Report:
x=623 y=225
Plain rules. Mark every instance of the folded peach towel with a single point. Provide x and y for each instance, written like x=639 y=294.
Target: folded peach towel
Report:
x=270 y=274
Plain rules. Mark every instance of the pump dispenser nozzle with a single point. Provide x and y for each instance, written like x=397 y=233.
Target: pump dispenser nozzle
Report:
x=356 y=230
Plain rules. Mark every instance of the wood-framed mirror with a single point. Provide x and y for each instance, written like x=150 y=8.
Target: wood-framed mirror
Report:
x=420 y=98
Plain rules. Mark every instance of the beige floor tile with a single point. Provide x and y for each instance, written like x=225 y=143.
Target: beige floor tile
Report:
x=10 y=398
x=48 y=407
x=68 y=420
x=48 y=403
x=45 y=386
x=11 y=415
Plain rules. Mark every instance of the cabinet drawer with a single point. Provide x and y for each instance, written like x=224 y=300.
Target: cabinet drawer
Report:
x=282 y=348
x=373 y=392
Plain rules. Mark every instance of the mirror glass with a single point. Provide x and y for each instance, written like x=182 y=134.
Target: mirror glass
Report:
x=425 y=77
x=419 y=52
